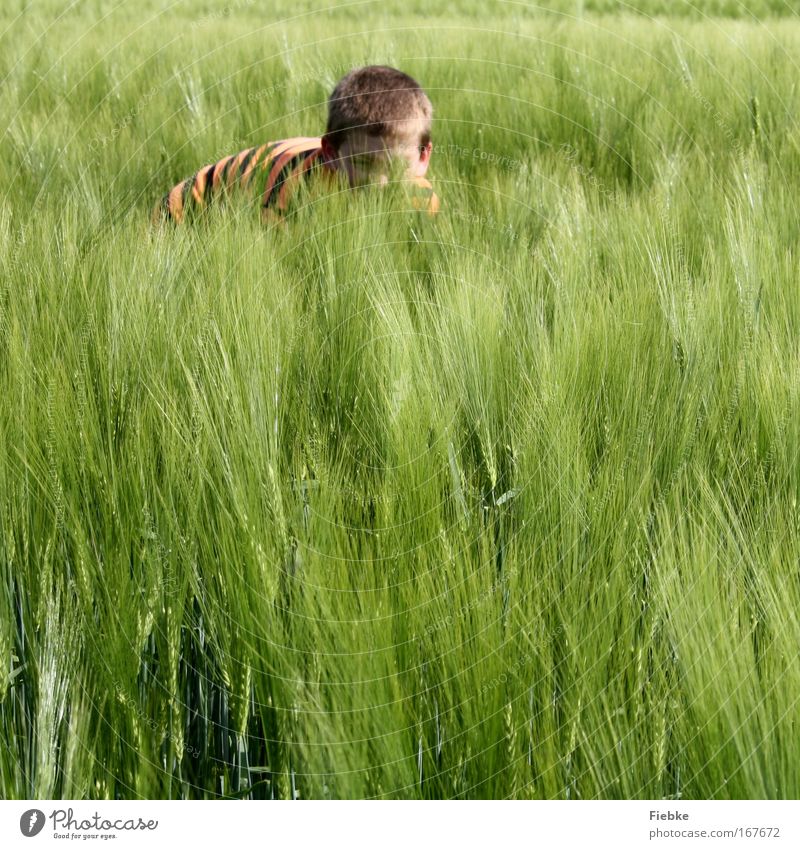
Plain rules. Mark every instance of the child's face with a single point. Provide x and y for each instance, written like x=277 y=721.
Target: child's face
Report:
x=367 y=160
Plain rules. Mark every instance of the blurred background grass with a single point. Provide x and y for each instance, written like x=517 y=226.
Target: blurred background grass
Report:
x=500 y=504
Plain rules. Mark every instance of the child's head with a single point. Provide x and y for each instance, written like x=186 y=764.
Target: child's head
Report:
x=378 y=117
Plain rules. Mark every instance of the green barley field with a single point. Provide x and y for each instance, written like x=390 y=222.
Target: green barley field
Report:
x=500 y=504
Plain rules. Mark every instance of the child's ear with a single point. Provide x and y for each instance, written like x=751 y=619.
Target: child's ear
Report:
x=424 y=157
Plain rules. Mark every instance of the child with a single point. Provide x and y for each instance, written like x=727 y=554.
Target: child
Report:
x=378 y=119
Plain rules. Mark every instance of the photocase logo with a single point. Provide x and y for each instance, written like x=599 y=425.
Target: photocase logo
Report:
x=31 y=822
x=65 y=824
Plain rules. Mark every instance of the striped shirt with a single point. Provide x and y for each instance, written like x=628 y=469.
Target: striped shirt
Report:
x=271 y=172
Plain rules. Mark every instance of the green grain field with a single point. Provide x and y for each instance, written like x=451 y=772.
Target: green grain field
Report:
x=497 y=504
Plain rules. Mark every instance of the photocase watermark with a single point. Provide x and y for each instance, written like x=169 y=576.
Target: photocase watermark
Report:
x=57 y=491
x=159 y=728
x=102 y=139
x=519 y=663
x=447 y=621
x=322 y=478
x=710 y=109
x=486 y=222
x=571 y=154
x=21 y=236
x=224 y=12
x=401 y=388
x=633 y=452
x=479 y=154
x=315 y=75
x=169 y=582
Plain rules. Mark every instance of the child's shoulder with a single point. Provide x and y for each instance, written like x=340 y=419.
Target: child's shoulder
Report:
x=296 y=144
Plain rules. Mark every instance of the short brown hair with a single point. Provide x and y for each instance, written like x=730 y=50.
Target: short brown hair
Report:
x=382 y=101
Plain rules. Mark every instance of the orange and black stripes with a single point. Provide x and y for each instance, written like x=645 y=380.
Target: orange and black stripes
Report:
x=270 y=172
x=267 y=169
x=288 y=157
